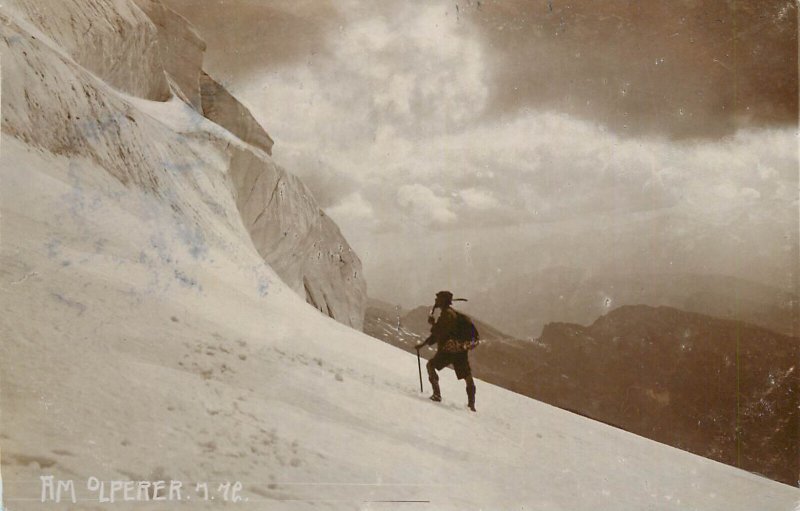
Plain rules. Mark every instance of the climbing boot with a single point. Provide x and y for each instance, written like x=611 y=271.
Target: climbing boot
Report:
x=471 y=397
x=437 y=394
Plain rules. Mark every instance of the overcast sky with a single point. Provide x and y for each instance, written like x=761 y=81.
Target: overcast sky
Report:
x=456 y=140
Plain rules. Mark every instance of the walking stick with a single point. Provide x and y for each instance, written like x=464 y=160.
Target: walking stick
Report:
x=419 y=366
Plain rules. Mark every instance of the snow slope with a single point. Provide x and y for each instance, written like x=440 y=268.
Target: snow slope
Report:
x=143 y=337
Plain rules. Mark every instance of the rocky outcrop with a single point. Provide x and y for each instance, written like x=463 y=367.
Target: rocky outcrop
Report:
x=181 y=49
x=301 y=243
x=221 y=107
x=111 y=38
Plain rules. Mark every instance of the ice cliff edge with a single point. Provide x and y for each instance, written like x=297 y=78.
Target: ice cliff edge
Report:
x=143 y=49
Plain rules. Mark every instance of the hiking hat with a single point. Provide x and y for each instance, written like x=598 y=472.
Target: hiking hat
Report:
x=444 y=297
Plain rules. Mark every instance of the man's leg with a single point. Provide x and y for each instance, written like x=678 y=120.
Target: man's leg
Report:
x=463 y=372
x=470 y=392
x=433 y=377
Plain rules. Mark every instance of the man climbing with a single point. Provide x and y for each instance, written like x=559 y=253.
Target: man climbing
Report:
x=454 y=334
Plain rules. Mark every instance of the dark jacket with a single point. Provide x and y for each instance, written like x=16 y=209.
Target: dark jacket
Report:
x=444 y=329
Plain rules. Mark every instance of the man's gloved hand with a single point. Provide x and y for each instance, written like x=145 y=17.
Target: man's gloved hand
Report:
x=419 y=346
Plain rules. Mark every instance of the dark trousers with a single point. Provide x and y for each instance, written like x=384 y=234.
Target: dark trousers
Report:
x=461 y=365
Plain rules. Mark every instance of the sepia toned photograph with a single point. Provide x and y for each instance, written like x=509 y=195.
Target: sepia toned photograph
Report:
x=414 y=255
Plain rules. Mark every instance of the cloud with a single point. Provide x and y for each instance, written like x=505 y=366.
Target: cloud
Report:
x=683 y=69
x=398 y=130
x=478 y=199
x=424 y=206
x=423 y=73
x=353 y=210
x=729 y=191
x=355 y=118
x=673 y=69
x=409 y=111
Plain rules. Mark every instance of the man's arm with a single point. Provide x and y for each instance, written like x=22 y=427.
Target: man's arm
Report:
x=430 y=340
x=442 y=330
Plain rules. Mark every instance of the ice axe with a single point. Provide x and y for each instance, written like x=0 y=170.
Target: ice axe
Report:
x=419 y=366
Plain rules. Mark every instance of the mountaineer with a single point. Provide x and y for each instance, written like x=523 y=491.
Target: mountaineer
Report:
x=455 y=334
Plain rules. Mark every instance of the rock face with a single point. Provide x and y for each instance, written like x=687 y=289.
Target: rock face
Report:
x=111 y=38
x=286 y=225
x=51 y=103
x=661 y=373
x=298 y=239
x=224 y=109
x=181 y=49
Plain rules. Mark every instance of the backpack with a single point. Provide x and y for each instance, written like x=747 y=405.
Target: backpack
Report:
x=465 y=337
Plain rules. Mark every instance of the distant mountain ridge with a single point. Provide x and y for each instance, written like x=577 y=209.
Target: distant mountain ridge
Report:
x=672 y=376
x=665 y=374
x=525 y=303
